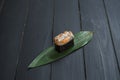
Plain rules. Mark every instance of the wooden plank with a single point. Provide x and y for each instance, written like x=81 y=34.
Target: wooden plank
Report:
x=99 y=54
x=113 y=12
x=12 y=19
x=38 y=36
x=66 y=17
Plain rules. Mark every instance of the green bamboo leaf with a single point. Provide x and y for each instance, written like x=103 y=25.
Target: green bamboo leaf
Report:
x=50 y=54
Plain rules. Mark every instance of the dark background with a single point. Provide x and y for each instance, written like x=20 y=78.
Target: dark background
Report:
x=28 y=26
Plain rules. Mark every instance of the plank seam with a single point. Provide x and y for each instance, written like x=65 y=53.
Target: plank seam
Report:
x=52 y=34
x=22 y=37
x=84 y=63
x=107 y=17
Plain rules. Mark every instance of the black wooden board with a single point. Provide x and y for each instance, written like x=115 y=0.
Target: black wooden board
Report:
x=66 y=17
x=100 y=57
x=12 y=19
x=28 y=26
x=113 y=13
x=37 y=36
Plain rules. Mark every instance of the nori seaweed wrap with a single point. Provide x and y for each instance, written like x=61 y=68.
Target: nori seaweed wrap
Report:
x=64 y=41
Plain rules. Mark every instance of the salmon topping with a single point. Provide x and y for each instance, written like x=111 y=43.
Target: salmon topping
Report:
x=63 y=38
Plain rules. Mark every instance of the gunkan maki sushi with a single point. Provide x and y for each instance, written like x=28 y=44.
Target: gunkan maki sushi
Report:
x=64 y=41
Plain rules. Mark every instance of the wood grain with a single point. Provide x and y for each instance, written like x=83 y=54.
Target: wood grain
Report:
x=1 y=5
x=37 y=36
x=113 y=12
x=12 y=19
x=99 y=54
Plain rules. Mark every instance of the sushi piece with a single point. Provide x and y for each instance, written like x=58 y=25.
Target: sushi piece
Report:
x=64 y=41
